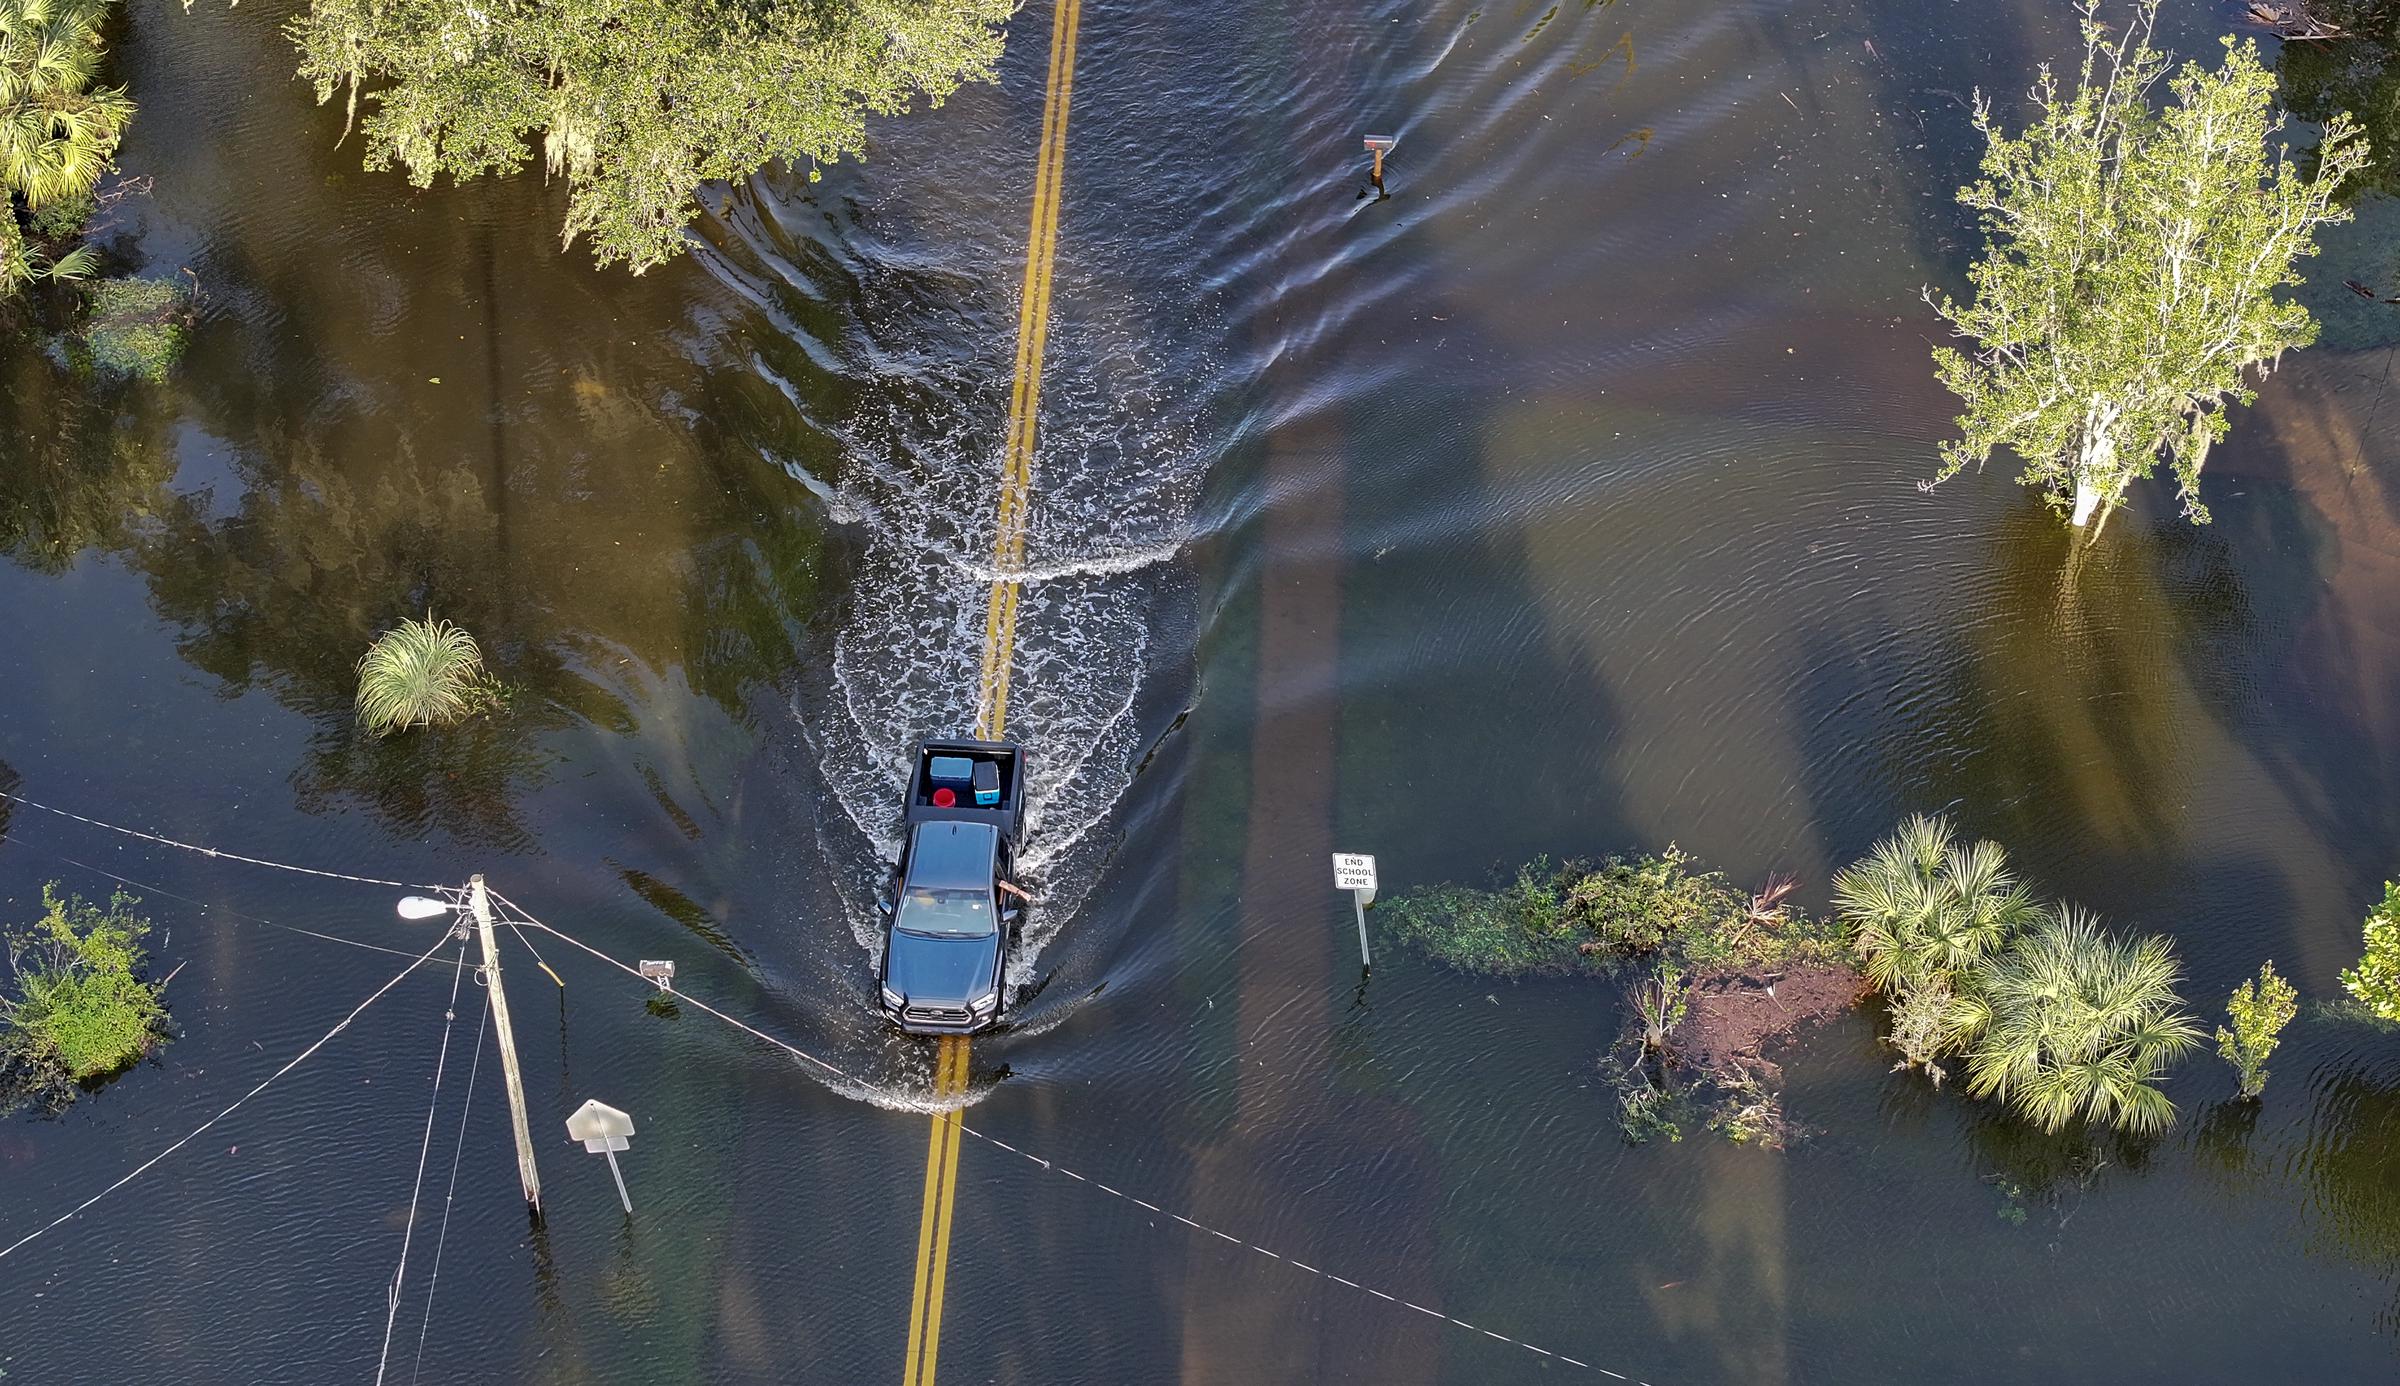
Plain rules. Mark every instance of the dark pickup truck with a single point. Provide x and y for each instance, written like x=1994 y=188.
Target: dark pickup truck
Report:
x=953 y=913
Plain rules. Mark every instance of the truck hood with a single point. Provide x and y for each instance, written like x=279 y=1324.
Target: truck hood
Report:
x=941 y=971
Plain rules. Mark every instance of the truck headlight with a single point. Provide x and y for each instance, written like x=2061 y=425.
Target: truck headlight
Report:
x=985 y=1005
x=893 y=999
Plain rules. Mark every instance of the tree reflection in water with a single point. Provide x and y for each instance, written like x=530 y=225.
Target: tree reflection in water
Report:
x=2351 y=1164
x=2359 y=74
x=707 y=571
x=80 y=468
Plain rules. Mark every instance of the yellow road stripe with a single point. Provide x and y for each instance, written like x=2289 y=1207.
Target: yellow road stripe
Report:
x=947 y=1128
x=1025 y=400
x=937 y=1171
x=999 y=651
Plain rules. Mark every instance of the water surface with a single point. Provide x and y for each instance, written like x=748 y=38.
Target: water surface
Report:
x=1563 y=503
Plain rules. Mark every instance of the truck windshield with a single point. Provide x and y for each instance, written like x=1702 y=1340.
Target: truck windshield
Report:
x=946 y=913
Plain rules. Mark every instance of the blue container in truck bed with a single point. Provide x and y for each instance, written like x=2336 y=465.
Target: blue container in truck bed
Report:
x=983 y=781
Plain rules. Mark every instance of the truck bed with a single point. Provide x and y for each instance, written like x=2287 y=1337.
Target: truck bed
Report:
x=1007 y=757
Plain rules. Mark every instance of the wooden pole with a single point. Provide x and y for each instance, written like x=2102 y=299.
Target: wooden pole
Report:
x=527 y=1175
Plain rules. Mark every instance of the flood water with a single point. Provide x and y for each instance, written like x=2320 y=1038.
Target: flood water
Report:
x=1562 y=503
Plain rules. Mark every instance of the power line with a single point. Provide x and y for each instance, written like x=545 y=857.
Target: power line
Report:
x=458 y=1157
x=293 y=1063
x=206 y=907
x=1056 y=1168
x=526 y=917
x=212 y=851
x=408 y=1233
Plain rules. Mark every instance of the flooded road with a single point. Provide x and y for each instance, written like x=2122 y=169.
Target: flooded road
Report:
x=1562 y=503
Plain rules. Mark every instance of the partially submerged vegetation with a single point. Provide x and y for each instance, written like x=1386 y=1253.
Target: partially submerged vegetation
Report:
x=134 y=327
x=2128 y=291
x=2048 y=1012
x=1712 y=975
x=2375 y=982
x=422 y=673
x=2259 y=1011
x=59 y=131
x=80 y=1010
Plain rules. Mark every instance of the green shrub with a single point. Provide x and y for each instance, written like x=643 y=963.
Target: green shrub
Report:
x=1515 y=931
x=136 y=327
x=1925 y=907
x=82 y=1011
x=63 y=219
x=1925 y=912
x=2375 y=982
x=1632 y=907
x=1554 y=919
x=2259 y=1014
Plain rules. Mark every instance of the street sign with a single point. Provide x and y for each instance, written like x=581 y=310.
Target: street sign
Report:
x=600 y=1127
x=604 y=1131
x=1355 y=872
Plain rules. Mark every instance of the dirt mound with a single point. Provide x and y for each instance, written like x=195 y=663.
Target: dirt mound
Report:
x=1735 y=1015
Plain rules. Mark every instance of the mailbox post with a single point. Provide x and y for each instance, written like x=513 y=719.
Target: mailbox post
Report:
x=1355 y=872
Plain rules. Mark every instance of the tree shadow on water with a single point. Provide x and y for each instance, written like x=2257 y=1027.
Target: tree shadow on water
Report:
x=2063 y=696
x=2044 y=1177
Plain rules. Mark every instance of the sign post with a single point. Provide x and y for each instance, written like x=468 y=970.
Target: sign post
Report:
x=1355 y=872
x=604 y=1131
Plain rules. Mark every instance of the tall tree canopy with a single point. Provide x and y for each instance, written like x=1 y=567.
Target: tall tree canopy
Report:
x=2128 y=290
x=637 y=102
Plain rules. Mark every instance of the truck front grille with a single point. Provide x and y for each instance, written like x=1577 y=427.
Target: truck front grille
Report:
x=938 y=1015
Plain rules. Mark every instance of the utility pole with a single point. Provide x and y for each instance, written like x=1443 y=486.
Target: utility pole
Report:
x=527 y=1175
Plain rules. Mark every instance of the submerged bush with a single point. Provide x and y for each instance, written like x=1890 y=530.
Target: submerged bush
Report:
x=2070 y=1024
x=2375 y=982
x=1578 y=916
x=421 y=673
x=1926 y=907
x=2053 y=1015
x=1631 y=907
x=81 y=1010
x=2259 y=1013
x=1515 y=931
x=1925 y=910
x=136 y=327
x=1694 y=954
x=58 y=132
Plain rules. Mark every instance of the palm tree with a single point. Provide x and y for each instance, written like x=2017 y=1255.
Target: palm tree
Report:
x=57 y=134
x=2070 y=1024
x=1925 y=908
x=420 y=673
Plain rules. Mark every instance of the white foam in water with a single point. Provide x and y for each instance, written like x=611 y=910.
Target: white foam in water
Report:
x=1116 y=471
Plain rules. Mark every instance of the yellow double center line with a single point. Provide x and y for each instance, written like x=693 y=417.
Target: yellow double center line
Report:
x=933 y=1233
x=999 y=651
x=1025 y=401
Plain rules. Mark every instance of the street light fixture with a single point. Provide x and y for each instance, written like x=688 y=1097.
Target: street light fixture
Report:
x=420 y=907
